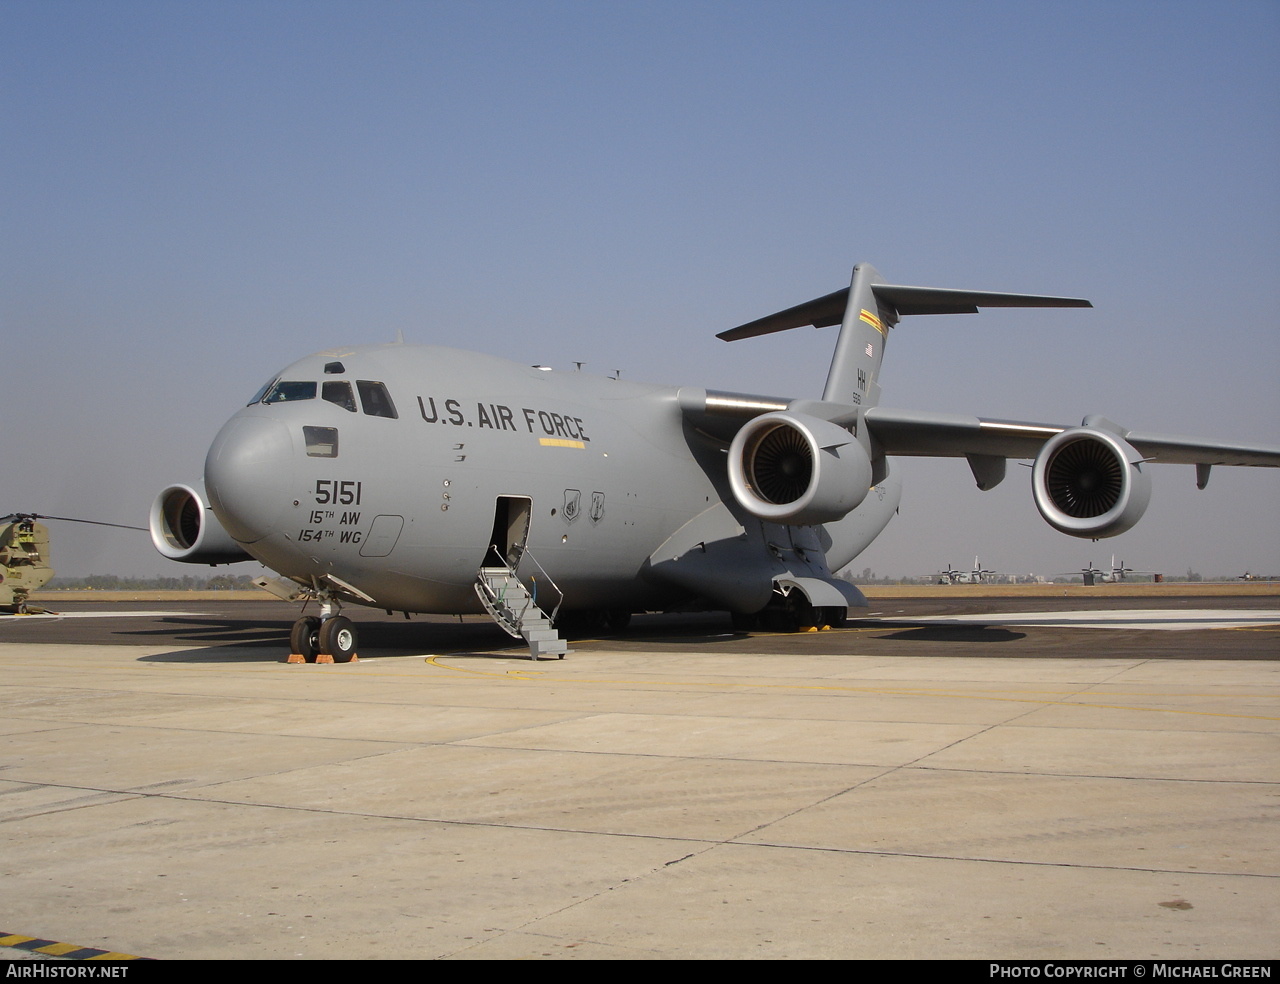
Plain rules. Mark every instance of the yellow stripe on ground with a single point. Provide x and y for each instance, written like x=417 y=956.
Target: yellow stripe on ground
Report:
x=52 y=948
x=1042 y=697
x=57 y=949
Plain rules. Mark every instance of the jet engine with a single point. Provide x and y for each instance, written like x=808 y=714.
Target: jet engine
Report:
x=797 y=469
x=184 y=528
x=1090 y=483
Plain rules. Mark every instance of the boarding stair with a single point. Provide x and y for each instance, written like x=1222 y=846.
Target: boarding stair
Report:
x=516 y=610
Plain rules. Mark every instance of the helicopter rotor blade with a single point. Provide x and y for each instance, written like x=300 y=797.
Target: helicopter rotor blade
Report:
x=69 y=519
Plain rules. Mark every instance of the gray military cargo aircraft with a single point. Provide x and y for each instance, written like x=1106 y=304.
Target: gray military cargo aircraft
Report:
x=426 y=479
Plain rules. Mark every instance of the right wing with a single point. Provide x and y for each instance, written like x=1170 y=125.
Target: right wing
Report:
x=946 y=435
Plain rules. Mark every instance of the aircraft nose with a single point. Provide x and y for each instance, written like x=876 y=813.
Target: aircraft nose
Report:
x=248 y=473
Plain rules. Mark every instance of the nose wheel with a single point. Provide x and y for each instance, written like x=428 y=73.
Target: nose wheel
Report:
x=304 y=639
x=332 y=639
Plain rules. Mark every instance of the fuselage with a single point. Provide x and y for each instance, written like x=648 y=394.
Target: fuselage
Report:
x=397 y=469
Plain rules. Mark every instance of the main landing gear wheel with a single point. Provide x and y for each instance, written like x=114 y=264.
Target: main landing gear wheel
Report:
x=590 y=621
x=745 y=621
x=304 y=638
x=616 y=620
x=338 y=638
x=792 y=616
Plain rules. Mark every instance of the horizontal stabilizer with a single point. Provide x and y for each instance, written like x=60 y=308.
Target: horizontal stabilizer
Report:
x=937 y=300
x=821 y=313
x=829 y=309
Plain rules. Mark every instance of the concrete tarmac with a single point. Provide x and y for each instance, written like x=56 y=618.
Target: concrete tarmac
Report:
x=896 y=789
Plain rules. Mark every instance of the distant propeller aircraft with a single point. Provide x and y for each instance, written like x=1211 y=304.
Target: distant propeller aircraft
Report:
x=427 y=479
x=975 y=576
x=1090 y=574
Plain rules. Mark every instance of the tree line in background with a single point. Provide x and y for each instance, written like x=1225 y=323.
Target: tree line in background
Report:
x=111 y=582
x=868 y=576
x=244 y=582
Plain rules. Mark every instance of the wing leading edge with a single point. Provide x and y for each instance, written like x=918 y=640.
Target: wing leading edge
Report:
x=944 y=435
x=922 y=433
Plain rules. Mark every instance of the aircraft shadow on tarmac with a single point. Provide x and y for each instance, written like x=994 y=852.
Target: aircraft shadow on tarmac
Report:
x=240 y=642
x=221 y=639
x=216 y=654
x=984 y=634
x=213 y=629
x=263 y=641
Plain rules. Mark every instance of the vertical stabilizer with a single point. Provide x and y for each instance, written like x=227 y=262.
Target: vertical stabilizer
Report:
x=855 y=367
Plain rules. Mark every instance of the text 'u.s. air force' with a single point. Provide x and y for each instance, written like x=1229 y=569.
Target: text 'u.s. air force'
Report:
x=498 y=416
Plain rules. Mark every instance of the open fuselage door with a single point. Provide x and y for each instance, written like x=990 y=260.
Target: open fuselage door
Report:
x=510 y=536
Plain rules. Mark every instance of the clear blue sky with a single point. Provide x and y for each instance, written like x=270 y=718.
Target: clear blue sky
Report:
x=196 y=194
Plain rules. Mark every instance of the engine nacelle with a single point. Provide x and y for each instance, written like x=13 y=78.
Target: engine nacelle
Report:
x=184 y=528
x=797 y=469
x=1090 y=483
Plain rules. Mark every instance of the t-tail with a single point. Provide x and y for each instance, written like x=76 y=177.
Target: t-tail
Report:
x=866 y=311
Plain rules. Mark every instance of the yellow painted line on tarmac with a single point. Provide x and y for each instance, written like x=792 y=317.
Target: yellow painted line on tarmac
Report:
x=1031 y=696
x=506 y=674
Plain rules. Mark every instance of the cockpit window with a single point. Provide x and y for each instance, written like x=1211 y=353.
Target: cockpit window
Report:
x=339 y=393
x=322 y=442
x=286 y=391
x=376 y=399
x=257 y=397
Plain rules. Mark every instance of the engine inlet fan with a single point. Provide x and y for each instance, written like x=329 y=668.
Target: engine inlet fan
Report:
x=1089 y=482
x=793 y=468
x=1085 y=479
x=781 y=465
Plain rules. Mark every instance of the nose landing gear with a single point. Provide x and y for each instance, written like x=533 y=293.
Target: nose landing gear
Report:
x=338 y=639
x=304 y=640
x=331 y=638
